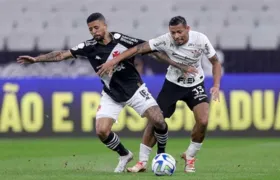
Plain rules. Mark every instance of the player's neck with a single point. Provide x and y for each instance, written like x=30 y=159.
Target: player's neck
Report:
x=107 y=39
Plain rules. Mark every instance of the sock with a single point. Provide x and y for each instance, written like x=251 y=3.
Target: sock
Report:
x=144 y=153
x=161 y=137
x=193 y=148
x=113 y=142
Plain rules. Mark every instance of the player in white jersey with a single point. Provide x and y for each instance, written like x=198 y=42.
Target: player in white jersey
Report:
x=185 y=46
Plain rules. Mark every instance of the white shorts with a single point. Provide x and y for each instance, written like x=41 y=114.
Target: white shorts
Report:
x=140 y=102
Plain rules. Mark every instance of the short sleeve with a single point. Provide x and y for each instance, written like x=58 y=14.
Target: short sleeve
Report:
x=159 y=43
x=208 y=49
x=79 y=50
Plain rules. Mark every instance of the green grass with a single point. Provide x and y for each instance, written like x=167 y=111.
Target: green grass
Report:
x=82 y=159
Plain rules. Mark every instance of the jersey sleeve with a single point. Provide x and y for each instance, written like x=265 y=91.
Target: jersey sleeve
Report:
x=159 y=43
x=79 y=50
x=128 y=41
x=208 y=49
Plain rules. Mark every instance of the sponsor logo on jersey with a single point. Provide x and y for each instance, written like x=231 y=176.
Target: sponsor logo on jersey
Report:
x=184 y=57
x=90 y=42
x=207 y=51
x=80 y=46
x=185 y=80
x=160 y=43
x=116 y=53
x=197 y=53
x=129 y=40
x=191 y=44
x=117 y=36
x=119 y=68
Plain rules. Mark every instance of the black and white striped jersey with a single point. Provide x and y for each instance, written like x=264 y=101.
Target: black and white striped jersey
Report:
x=125 y=79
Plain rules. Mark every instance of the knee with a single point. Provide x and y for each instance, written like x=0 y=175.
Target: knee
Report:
x=155 y=117
x=159 y=122
x=102 y=132
x=203 y=121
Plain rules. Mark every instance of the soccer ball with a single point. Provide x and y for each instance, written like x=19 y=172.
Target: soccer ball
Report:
x=163 y=164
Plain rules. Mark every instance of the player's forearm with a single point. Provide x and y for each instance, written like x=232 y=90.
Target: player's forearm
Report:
x=125 y=55
x=217 y=71
x=54 y=56
x=162 y=57
x=139 y=49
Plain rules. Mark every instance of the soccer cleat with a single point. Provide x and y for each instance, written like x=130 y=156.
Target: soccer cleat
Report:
x=139 y=167
x=189 y=163
x=123 y=160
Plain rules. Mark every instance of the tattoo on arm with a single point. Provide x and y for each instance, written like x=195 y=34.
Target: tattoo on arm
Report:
x=54 y=56
x=143 y=48
x=162 y=57
x=216 y=70
x=214 y=59
x=139 y=49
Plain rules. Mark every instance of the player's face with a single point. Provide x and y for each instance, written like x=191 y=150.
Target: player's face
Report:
x=180 y=33
x=97 y=29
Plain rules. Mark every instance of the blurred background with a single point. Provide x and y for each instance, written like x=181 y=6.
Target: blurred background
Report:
x=245 y=34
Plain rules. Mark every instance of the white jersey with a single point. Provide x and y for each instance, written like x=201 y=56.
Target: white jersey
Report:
x=190 y=53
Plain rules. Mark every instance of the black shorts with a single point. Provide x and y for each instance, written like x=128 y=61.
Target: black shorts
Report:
x=171 y=93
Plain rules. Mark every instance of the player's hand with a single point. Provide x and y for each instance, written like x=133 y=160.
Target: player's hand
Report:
x=188 y=70
x=106 y=68
x=215 y=92
x=26 y=60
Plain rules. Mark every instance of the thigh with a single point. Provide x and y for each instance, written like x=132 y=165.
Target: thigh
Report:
x=166 y=103
x=168 y=97
x=195 y=96
x=108 y=108
x=141 y=100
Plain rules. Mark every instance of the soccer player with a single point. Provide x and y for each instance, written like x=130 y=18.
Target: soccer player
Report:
x=124 y=87
x=185 y=46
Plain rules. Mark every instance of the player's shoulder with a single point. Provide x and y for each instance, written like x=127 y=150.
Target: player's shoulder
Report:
x=197 y=35
x=166 y=36
x=163 y=39
x=85 y=44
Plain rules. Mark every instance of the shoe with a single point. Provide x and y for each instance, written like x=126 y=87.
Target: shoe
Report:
x=189 y=163
x=139 y=167
x=123 y=160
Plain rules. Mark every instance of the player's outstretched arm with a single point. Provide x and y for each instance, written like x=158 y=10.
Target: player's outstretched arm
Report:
x=109 y=65
x=54 y=56
x=162 y=57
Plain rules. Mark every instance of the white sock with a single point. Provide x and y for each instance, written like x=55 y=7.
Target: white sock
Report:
x=193 y=148
x=144 y=153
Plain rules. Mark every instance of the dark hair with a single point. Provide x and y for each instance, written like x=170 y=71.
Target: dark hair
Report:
x=95 y=16
x=177 y=20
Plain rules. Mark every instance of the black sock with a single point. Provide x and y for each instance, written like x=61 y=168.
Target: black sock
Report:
x=161 y=137
x=113 y=142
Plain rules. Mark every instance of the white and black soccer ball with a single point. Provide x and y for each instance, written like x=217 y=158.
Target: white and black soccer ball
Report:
x=163 y=164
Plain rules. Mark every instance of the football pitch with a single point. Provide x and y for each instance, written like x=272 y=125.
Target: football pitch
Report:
x=88 y=159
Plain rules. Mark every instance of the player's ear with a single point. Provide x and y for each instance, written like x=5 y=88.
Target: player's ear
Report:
x=188 y=27
x=105 y=24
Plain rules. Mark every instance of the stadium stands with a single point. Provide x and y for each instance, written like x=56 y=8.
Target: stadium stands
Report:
x=52 y=24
